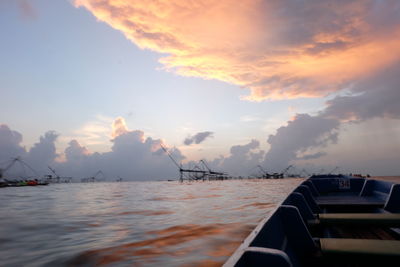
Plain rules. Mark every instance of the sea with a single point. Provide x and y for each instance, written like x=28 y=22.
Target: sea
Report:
x=133 y=223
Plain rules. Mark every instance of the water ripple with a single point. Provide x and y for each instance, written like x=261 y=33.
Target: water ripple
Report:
x=133 y=223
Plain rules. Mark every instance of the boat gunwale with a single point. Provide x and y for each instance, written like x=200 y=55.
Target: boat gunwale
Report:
x=238 y=253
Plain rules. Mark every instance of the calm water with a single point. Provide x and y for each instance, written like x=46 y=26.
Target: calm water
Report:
x=132 y=223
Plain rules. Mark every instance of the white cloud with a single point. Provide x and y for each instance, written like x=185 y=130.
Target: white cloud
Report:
x=250 y=118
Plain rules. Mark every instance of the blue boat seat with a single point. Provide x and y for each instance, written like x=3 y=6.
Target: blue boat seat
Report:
x=297 y=199
x=312 y=187
x=388 y=216
x=377 y=189
x=286 y=231
x=259 y=257
x=306 y=192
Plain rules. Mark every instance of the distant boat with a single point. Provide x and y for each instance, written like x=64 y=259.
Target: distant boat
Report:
x=328 y=220
x=18 y=183
x=21 y=182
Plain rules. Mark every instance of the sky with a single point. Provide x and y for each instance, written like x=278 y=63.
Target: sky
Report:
x=89 y=85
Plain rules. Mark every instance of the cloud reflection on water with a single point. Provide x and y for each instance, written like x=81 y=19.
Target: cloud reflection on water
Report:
x=163 y=244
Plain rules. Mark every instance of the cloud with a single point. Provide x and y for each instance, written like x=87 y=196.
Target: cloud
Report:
x=132 y=156
x=277 y=49
x=374 y=97
x=43 y=152
x=10 y=144
x=94 y=133
x=303 y=133
x=38 y=157
x=119 y=127
x=312 y=156
x=241 y=159
x=240 y=150
x=75 y=151
x=197 y=138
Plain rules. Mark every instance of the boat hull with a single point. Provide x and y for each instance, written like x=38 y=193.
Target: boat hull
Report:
x=328 y=220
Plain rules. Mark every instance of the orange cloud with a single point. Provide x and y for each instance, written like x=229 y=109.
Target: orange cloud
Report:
x=277 y=49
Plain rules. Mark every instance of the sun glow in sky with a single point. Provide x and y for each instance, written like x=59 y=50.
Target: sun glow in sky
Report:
x=249 y=82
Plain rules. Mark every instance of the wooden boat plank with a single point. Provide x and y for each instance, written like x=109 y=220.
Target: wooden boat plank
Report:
x=383 y=219
x=349 y=200
x=368 y=247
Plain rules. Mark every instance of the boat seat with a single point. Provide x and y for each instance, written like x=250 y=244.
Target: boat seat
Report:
x=297 y=199
x=360 y=247
x=256 y=256
x=286 y=231
x=381 y=219
x=312 y=188
x=306 y=192
x=378 y=189
x=390 y=205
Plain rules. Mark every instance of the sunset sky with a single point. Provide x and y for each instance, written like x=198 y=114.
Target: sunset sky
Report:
x=238 y=83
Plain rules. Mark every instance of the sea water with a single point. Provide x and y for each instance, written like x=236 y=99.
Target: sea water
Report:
x=133 y=223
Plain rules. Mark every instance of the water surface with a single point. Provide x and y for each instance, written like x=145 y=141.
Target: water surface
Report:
x=133 y=223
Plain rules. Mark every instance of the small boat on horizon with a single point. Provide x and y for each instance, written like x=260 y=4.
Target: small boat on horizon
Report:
x=18 y=183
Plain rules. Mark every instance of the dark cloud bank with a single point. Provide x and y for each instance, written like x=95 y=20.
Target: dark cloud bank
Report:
x=375 y=97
